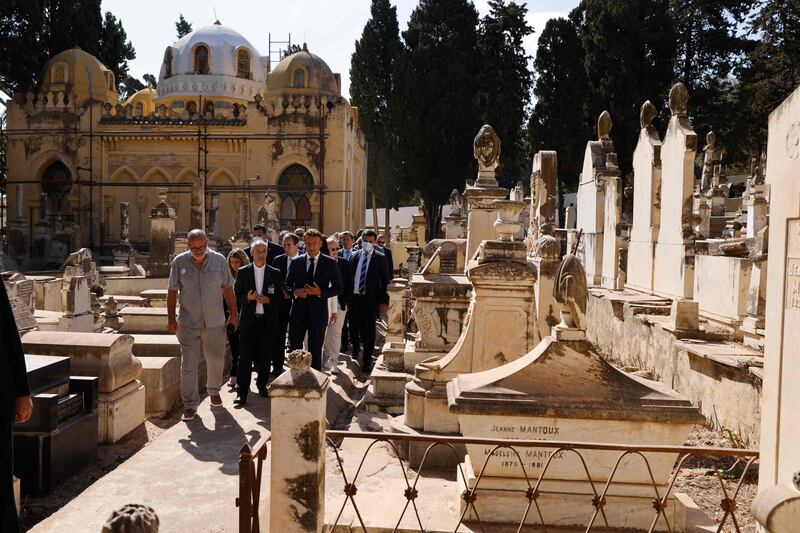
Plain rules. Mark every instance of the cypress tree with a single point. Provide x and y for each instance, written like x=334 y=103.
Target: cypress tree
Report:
x=183 y=26
x=115 y=48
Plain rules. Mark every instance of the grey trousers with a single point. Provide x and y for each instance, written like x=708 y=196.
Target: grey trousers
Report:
x=196 y=344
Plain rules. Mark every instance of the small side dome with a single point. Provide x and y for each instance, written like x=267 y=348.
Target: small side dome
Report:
x=142 y=102
x=79 y=72
x=303 y=72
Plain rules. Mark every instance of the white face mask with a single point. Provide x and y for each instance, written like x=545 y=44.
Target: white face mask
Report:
x=367 y=246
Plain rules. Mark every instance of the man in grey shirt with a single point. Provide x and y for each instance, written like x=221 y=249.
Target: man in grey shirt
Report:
x=201 y=277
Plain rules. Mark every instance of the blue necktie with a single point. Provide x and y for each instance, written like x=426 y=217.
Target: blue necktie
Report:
x=362 y=277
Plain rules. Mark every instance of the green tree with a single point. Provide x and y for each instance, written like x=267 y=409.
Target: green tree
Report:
x=372 y=76
x=506 y=83
x=129 y=86
x=559 y=120
x=629 y=55
x=435 y=101
x=711 y=49
x=33 y=31
x=183 y=26
x=115 y=48
x=150 y=81
x=773 y=71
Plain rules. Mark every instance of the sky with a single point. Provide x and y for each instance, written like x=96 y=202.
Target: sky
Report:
x=330 y=27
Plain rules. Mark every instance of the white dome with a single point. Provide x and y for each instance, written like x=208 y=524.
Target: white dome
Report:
x=185 y=71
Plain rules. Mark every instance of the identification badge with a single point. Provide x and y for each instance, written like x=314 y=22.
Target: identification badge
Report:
x=271 y=289
x=183 y=272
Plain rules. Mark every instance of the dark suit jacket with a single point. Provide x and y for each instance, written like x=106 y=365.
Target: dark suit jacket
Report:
x=347 y=282
x=389 y=260
x=326 y=275
x=246 y=282
x=377 y=277
x=273 y=251
x=13 y=374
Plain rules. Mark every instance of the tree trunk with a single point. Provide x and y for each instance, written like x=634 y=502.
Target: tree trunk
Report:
x=387 y=234
x=374 y=214
x=433 y=219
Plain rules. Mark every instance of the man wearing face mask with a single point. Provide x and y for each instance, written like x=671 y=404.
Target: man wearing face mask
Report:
x=369 y=296
x=202 y=278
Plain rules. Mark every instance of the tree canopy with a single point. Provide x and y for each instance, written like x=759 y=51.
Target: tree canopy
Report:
x=183 y=26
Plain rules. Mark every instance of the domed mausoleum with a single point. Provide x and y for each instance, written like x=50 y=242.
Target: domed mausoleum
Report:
x=262 y=139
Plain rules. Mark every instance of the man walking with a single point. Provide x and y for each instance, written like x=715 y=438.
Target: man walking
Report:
x=273 y=249
x=369 y=296
x=259 y=291
x=281 y=262
x=311 y=280
x=16 y=407
x=202 y=278
x=333 y=335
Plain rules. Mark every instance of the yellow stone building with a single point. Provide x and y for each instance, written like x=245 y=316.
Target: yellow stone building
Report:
x=219 y=112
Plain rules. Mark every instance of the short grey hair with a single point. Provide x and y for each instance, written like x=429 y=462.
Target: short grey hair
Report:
x=333 y=238
x=196 y=234
x=257 y=242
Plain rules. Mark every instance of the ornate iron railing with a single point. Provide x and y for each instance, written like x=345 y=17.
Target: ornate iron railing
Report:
x=251 y=466
x=727 y=464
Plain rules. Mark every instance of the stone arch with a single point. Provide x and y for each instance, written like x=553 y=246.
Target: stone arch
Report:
x=299 y=78
x=296 y=184
x=222 y=176
x=168 y=62
x=156 y=174
x=124 y=173
x=59 y=73
x=243 y=61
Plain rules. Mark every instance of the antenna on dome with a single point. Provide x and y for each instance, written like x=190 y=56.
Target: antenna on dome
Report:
x=216 y=19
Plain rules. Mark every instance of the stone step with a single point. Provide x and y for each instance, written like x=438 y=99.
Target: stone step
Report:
x=373 y=404
x=387 y=384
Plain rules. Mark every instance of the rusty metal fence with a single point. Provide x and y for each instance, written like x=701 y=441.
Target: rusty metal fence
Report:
x=251 y=466
x=729 y=467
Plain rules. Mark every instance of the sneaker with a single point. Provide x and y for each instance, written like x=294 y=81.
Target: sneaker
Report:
x=216 y=401
x=188 y=414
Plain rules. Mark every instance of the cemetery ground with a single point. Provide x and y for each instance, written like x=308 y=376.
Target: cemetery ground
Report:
x=380 y=480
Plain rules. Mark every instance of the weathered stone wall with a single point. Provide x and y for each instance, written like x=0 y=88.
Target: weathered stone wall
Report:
x=727 y=396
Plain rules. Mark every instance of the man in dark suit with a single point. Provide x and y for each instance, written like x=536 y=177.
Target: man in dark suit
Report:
x=273 y=249
x=311 y=280
x=281 y=262
x=381 y=243
x=370 y=297
x=16 y=406
x=259 y=289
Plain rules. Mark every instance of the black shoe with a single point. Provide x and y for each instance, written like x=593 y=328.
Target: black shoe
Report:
x=239 y=400
x=262 y=391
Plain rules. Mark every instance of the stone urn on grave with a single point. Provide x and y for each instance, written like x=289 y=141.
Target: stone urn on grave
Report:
x=564 y=390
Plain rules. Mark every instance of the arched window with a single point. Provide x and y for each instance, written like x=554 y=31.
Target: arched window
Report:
x=138 y=109
x=110 y=77
x=243 y=64
x=236 y=111
x=60 y=73
x=168 y=63
x=208 y=109
x=299 y=78
x=295 y=186
x=191 y=108
x=201 y=65
x=56 y=182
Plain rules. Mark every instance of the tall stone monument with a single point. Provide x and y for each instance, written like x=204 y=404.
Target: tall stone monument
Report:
x=481 y=196
x=162 y=236
x=674 y=258
x=599 y=164
x=544 y=180
x=646 y=203
x=123 y=251
x=777 y=506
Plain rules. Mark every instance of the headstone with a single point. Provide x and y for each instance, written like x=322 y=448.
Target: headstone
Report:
x=75 y=302
x=456 y=221
x=612 y=277
x=599 y=163
x=674 y=259
x=544 y=179
x=777 y=506
x=162 y=234
x=646 y=203
x=571 y=217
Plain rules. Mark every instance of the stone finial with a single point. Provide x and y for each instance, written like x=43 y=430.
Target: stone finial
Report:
x=456 y=203
x=162 y=194
x=132 y=518
x=604 y=125
x=679 y=100
x=647 y=114
x=299 y=360
x=711 y=141
x=507 y=223
x=486 y=148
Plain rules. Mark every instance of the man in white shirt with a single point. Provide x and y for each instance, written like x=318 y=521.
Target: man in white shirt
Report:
x=259 y=290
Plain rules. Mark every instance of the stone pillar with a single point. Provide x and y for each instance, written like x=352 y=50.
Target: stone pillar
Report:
x=162 y=235
x=612 y=232
x=546 y=258
x=646 y=202
x=242 y=237
x=420 y=226
x=779 y=471
x=297 y=465
x=591 y=197
x=412 y=263
x=123 y=251
x=396 y=323
x=571 y=217
x=544 y=176
x=757 y=212
x=198 y=210
x=212 y=229
x=42 y=237
x=674 y=258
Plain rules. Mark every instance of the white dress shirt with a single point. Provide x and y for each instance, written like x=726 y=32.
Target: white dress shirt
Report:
x=259 y=273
